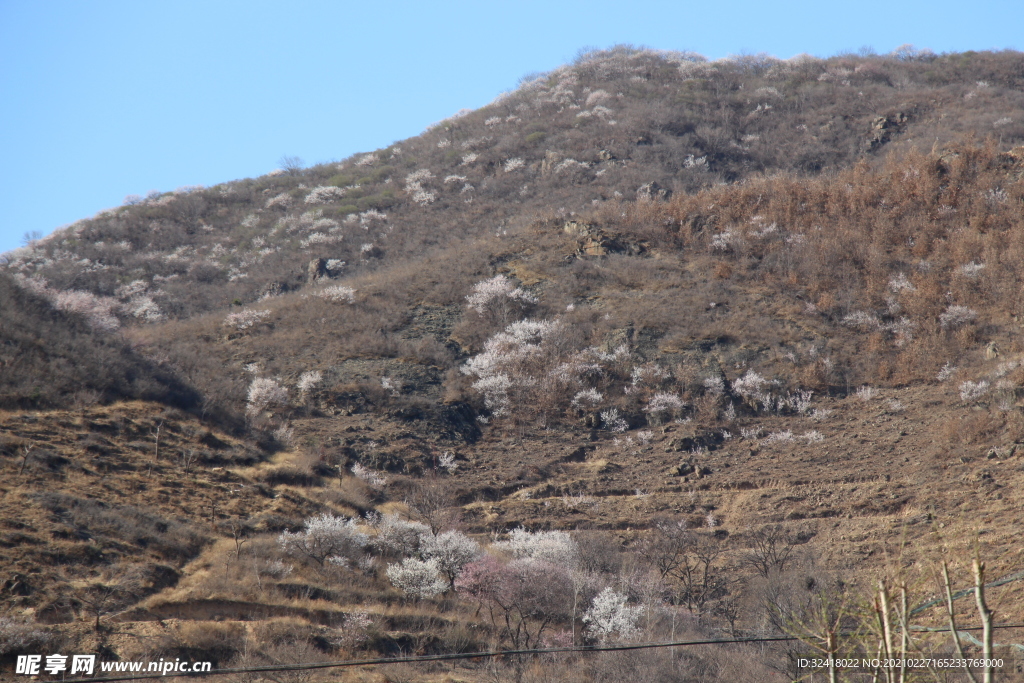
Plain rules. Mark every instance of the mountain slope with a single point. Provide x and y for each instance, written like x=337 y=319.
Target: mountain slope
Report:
x=731 y=340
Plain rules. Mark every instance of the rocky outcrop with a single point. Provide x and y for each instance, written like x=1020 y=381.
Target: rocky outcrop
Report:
x=653 y=191
x=592 y=241
x=883 y=128
x=316 y=270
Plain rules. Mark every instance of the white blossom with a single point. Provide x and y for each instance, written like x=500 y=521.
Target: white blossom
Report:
x=609 y=616
x=556 y=547
x=899 y=283
x=447 y=462
x=947 y=371
x=323 y=537
x=282 y=200
x=698 y=163
x=450 y=551
x=423 y=197
x=866 y=393
x=263 y=394
x=613 y=421
x=246 y=318
x=419 y=578
x=324 y=194
x=590 y=397
x=663 y=402
x=374 y=479
x=336 y=294
x=970 y=391
x=309 y=380
x=955 y=316
x=398 y=536
x=497 y=287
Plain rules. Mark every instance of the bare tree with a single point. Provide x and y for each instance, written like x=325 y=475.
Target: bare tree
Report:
x=701 y=579
x=665 y=547
x=770 y=550
x=523 y=597
x=291 y=165
x=690 y=558
x=432 y=500
x=115 y=591
x=189 y=209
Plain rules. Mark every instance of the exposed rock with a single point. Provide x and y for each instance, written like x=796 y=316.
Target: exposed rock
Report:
x=1002 y=453
x=883 y=128
x=274 y=289
x=702 y=438
x=653 y=191
x=578 y=228
x=17 y=585
x=599 y=243
x=316 y=270
x=622 y=336
x=682 y=469
x=551 y=159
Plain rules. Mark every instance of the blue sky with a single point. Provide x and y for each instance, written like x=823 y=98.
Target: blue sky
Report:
x=103 y=99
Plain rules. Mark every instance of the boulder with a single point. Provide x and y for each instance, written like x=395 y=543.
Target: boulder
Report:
x=316 y=270
x=653 y=191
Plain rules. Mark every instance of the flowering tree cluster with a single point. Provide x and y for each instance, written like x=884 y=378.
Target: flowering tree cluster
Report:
x=371 y=477
x=138 y=301
x=414 y=186
x=956 y=316
x=336 y=294
x=436 y=560
x=419 y=578
x=513 y=164
x=309 y=381
x=246 y=318
x=264 y=394
x=610 y=617
x=281 y=201
x=397 y=536
x=513 y=366
x=325 y=194
x=325 y=538
x=98 y=311
x=500 y=299
x=535 y=580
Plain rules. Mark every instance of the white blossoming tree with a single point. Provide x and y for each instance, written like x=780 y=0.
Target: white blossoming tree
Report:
x=264 y=394
x=419 y=578
x=325 y=538
x=499 y=300
x=609 y=617
x=450 y=551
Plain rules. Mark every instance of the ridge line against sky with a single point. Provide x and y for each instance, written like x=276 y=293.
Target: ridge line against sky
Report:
x=110 y=98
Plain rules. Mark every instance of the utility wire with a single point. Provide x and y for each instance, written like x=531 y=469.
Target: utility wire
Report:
x=464 y=655
x=965 y=592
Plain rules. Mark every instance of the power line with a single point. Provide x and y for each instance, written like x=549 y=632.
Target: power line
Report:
x=965 y=592
x=467 y=655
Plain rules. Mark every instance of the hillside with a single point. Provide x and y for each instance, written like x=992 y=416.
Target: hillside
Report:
x=728 y=342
